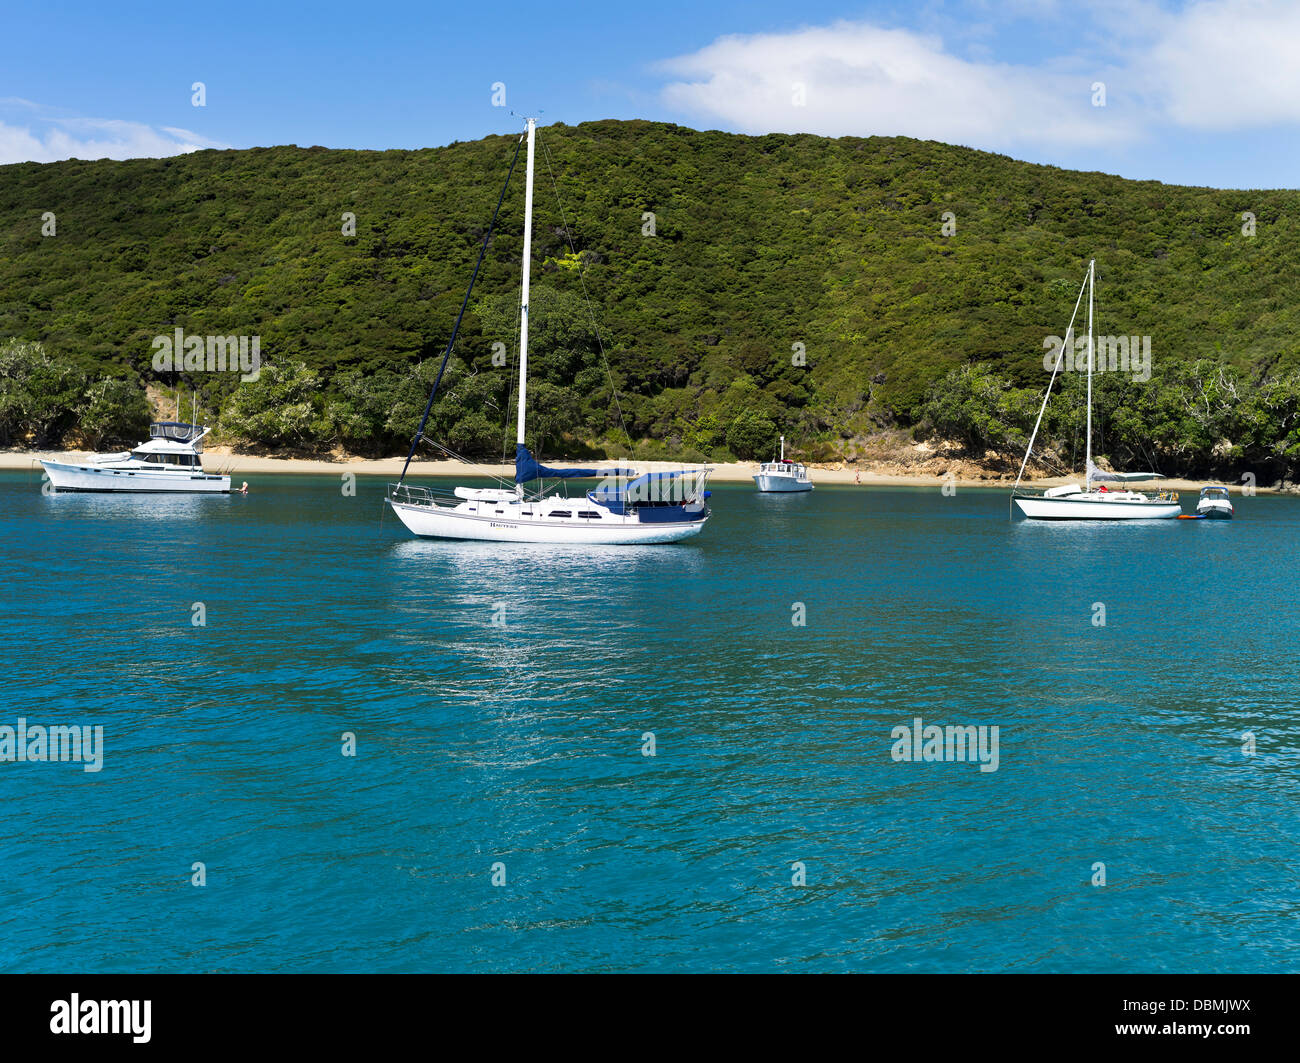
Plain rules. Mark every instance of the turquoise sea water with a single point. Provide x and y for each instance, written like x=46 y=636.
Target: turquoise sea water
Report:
x=521 y=744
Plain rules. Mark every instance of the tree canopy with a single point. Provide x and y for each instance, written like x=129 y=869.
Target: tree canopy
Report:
x=740 y=286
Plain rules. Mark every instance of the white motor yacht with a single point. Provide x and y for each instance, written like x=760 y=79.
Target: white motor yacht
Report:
x=783 y=474
x=170 y=461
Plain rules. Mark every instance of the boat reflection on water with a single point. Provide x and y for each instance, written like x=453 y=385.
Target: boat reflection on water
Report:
x=537 y=569
x=544 y=625
x=162 y=508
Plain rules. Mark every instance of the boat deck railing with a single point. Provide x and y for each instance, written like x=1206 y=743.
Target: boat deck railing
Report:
x=409 y=495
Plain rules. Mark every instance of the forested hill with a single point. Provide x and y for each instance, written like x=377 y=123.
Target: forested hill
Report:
x=762 y=247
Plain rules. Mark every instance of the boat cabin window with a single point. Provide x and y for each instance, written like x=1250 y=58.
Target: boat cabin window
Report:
x=188 y=461
x=589 y=515
x=559 y=513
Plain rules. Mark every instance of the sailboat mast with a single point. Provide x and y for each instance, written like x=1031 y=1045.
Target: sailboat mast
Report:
x=1087 y=482
x=523 y=307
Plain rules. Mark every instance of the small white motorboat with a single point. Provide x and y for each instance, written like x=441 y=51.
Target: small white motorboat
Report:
x=169 y=462
x=783 y=474
x=1214 y=504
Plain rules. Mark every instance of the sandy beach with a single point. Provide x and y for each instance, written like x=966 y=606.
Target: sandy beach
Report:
x=244 y=466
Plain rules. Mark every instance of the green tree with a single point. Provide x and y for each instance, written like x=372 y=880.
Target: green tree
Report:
x=980 y=410
x=474 y=436
x=39 y=394
x=279 y=408
x=751 y=436
x=553 y=412
x=115 y=412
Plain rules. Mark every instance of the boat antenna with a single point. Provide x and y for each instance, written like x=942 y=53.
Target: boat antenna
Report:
x=419 y=432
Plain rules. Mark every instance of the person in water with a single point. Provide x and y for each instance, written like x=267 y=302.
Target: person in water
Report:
x=243 y=490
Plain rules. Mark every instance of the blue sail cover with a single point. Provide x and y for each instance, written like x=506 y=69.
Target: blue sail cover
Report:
x=527 y=468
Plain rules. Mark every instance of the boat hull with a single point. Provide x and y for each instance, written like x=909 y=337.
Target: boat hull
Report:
x=781 y=484
x=1038 y=508
x=67 y=476
x=1215 y=512
x=440 y=522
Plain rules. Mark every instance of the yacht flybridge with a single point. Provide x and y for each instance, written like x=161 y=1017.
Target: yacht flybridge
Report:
x=783 y=474
x=658 y=507
x=170 y=461
x=1072 y=502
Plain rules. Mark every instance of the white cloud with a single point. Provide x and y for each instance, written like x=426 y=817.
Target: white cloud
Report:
x=861 y=79
x=1229 y=64
x=46 y=139
x=1213 y=65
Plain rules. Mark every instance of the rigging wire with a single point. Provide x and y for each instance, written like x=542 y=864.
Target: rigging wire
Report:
x=467 y=461
x=419 y=432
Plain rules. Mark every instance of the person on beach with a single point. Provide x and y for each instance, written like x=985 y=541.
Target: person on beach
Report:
x=857 y=476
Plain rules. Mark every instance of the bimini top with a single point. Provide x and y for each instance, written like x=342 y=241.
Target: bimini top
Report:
x=666 y=486
x=176 y=431
x=1095 y=473
x=680 y=487
x=173 y=437
x=527 y=468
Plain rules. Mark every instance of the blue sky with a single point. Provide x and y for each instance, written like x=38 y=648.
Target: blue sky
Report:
x=1204 y=92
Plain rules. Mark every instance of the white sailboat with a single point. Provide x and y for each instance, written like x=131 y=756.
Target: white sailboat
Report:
x=624 y=509
x=783 y=475
x=1072 y=502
